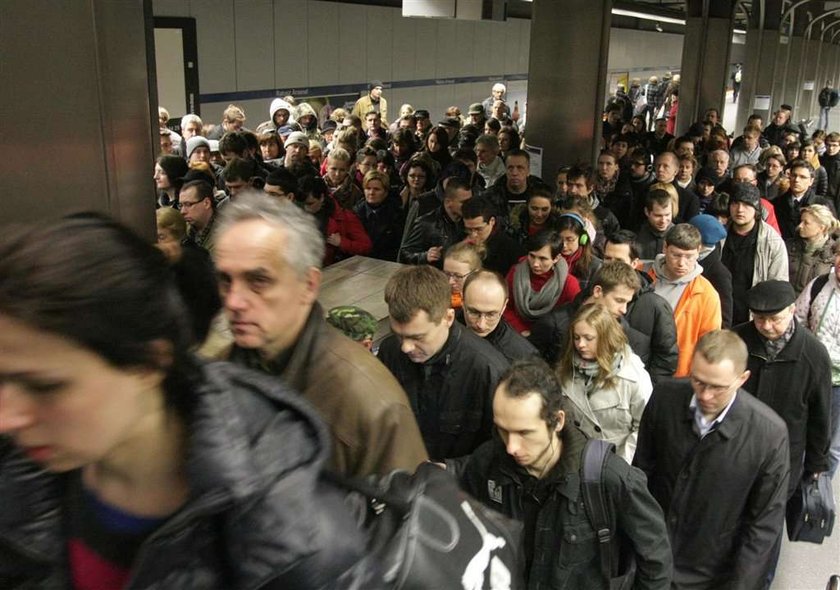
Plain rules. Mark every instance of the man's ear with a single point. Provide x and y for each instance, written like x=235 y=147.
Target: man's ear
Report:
x=560 y=417
x=449 y=317
x=313 y=285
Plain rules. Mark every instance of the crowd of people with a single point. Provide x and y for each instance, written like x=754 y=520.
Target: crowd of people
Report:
x=530 y=315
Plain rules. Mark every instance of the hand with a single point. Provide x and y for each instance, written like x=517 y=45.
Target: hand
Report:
x=433 y=254
x=334 y=239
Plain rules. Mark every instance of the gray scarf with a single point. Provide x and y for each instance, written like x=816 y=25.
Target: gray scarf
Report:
x=531 y=304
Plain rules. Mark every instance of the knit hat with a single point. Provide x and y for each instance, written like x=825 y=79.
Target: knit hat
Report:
x=745 y=193
x=355 y=322
x=174 y=166
x=450 y=122
x=476 y=108
x=421 y=114
x=375 y=84
x=770 y=297
x=709 y=176
x=194 y=142
x=711 y=230
x=296 y=138
x=329 y=125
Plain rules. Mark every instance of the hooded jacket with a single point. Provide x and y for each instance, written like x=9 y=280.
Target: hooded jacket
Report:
x=696 y=312
x=258 y=513
x=278 y=104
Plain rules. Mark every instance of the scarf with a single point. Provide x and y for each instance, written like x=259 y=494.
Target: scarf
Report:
x=532 y=304
x=605 y=187
x=571 y=259
x=774 y=347
x=588 y=371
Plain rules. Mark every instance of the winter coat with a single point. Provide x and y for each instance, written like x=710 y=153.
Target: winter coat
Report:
x=772 y=190
x=258 y=514
x=771 y=260
x=788 y=210
x=512 y=345
x=649 y=242
x=832 y=168
x=565 y=554
x=354 y=238
x=384 y=226
x=501 y=251
x=697 y=312
x=451 y=393
x=365 y=105
x=503 y=200
x=366 y=410
x=806 y=266
x=652 y=320
x=613 y=413
x=430 y=230
x=492 y=172
x=723 y=495
x=821 y=314
x=797 y=385
x=620 y=200
x=568 y=293
x=719 y=276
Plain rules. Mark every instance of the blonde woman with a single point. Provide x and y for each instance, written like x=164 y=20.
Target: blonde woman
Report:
x=809 y=253
x=460 y=261
x=604 y=379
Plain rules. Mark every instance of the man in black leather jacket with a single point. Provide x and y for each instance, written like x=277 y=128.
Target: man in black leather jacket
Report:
x=432 y=233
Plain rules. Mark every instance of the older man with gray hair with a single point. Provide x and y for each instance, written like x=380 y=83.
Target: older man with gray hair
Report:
x=496 y=93
x=268 y=255
x=490 y=166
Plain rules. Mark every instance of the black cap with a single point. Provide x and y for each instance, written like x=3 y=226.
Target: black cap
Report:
x=329 y=125
x=450 y=122
x=745 y=193
x=421 y=114
x=770 y=297
x=375 y=84
x=708 y=175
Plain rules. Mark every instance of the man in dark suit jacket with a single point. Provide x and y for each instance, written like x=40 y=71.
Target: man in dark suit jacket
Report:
x=718 y=462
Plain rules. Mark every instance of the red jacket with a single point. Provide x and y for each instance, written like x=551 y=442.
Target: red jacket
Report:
x=354 y=238
x=570 y=290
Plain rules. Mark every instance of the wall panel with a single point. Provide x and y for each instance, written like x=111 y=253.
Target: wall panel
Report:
x=253 y=27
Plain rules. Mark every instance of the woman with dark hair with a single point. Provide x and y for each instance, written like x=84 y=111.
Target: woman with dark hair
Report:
x=808 y=152
x=508 y=140
x=169 y=175
x=437 y=146
x=772 y=181
x=605 y=380
x=418 y=177
x=536 y=215
x=124 y=462
x=342 y=230
x=539 y=282
x=492 y=127
x=403 y=147
x=576 y=248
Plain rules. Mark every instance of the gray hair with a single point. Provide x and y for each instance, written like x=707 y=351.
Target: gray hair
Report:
x=499 y=86
x=489 y=140
x=305 y=246
x=190 y=118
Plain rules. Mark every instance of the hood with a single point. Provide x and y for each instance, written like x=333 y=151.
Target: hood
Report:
x=659 y=269
x=276 y=105
x=305 y=108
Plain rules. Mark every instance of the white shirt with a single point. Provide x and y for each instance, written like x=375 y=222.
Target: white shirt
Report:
x=704 y=426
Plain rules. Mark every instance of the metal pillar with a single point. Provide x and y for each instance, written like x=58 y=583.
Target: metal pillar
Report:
x=576 y=34
x=79 y=110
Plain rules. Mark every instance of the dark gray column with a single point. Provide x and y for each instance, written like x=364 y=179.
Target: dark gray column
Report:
x=705 y=59
x=78 y=110
x=810 y=83
x=566 y=79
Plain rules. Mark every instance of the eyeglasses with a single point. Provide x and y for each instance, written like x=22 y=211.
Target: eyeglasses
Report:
x=713 y=389
x=455 y=275
x=188 y=204
x=475 y=230
x=490 y=316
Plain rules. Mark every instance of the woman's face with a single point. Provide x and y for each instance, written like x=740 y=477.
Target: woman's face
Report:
x=457 y=272
x=686 y=171
x=504 y=141
x=65 y=406
x=374 y=192
x=270 y=150
x=638 y=124
x=169 y=245
x=539 y=208
x=489 y=130
x=432 y=143
x=585 y=340
x=773 y=167
x=416 y=178
x=809 y=228
x=791 y=153
x=337 y=171
x=161 y=178
x=808 y=152
x=571 y=242
x=312 y=204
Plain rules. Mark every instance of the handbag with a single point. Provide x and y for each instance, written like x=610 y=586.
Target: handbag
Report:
x=810 y=511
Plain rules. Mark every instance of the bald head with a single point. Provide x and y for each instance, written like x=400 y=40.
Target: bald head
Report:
x=666 y=166
x=485 y=296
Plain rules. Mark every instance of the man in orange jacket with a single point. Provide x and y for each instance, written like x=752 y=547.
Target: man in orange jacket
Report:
x=678 y=279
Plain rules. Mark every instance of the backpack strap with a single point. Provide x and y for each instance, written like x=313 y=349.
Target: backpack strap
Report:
x=595 y=500
x=816 y=287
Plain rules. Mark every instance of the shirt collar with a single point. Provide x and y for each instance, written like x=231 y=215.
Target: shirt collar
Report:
x=704 y=427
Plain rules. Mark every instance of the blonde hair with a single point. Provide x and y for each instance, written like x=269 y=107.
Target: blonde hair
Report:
x=233 y=113
x=466 y=253
x=377 y=175
x=672 y=192
x=171 y=220
x=611 y=342
x=823 y=216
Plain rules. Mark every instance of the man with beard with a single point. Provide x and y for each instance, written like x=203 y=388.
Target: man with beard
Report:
x=296 y=159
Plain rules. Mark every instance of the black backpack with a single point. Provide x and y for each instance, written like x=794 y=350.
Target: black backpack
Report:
x=425 y=532
x=618 y=559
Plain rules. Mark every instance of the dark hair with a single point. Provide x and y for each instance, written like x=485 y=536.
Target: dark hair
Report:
x=233 y=142
x=311 y=185
x=581 y=171
x=534 y=376
x=571 y=222
x=540 y=240
x=421 y=160
x=465 y=154
x=517 y=152
x=801 y=164
x=625 y=236
x=283 y=178
x=478 y=207
x=442 y=139
x=239 y=169
x=405 y=137
x=90 y=279
x=203 y=190
x=455 y=184
x=493 y=124
x=658 y=197
x=365 y=152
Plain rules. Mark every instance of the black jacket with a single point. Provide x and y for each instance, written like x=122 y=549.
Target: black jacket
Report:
x=689 y=204
x=721 y=279
x=451 y=393
x=258 y=515
x=513 y=345
x=652 y=317
x=502 y=251
x=384 y=224
x=723 y=495
x=621 y=201
x=832 y=168
x=649 y=242
x=640 y=187
x=797 y=384
x=503 y=200
x=788 y=210
x=429 y=230
x=561 y=544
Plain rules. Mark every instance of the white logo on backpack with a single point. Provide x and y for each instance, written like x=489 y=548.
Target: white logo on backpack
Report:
x=494 y=491
x=473 y=578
